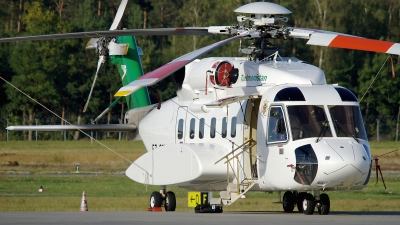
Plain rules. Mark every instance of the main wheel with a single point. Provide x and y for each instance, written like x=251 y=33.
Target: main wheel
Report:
x=299 y=201
x=288 y=201
x=155 y=199
x=325 y=205
x=308 y=204
x=170 y=201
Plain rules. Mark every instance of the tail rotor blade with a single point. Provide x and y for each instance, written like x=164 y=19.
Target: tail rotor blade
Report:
x=99 y=64
x=119 y=14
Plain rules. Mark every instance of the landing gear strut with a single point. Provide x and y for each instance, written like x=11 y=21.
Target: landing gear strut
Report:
x=159 y=199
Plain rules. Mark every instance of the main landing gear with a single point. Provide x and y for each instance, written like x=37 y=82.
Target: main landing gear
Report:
x=162 y=198
x=306 y=202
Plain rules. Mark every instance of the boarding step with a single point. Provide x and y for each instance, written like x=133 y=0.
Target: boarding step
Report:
x=233 y=192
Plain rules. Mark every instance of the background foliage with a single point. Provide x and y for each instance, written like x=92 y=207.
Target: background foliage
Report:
x=58 y=73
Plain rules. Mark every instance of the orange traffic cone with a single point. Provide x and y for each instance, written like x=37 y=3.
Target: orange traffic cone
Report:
x=84 y=206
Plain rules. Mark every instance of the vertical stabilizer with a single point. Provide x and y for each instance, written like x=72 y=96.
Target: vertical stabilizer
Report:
x=130 y=68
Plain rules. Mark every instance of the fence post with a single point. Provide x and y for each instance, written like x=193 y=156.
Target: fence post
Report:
x=119 y=135
x=377 y=130
x=397 y=125
x=36 y=130
x=7 y=129
x=91 y=133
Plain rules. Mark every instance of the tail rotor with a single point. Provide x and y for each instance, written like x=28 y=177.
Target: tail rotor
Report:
x=106 y=46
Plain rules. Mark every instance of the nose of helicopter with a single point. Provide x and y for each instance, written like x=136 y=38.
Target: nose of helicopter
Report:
x=343 y=164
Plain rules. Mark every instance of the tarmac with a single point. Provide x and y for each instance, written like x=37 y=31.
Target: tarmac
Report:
x=175 y=218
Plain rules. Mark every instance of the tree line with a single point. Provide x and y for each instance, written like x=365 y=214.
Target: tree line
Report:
x=59 y=73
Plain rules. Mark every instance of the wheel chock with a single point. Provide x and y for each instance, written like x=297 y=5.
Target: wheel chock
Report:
x=155 y=209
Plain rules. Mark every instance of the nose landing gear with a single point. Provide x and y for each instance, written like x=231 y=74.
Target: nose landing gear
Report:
x=306 y=202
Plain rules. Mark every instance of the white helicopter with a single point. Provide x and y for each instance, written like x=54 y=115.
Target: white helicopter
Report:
x=257 y=123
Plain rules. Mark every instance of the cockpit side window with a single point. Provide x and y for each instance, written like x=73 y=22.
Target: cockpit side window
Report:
x=276 y=125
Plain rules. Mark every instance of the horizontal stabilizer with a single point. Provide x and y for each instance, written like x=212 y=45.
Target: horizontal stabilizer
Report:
x=86 y=127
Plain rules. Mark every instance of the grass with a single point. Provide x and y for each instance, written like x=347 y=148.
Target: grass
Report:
x=51 y=164
x=119 y=193
x=45 y=156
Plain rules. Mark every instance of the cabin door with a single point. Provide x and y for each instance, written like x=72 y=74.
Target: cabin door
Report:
x=250 y=132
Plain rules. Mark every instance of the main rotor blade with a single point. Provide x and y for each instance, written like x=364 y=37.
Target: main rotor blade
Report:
x=114 y=33
x=99 y=64
x=339 y=40
x=119 y=14
x=162 y=72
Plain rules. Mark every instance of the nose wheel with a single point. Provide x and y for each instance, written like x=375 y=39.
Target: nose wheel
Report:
x=308 y=204
x=324 y=205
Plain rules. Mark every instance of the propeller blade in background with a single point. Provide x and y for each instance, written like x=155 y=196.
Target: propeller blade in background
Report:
x=119 y=14
x=162 y=72
x=136 y=32
x=102 y=59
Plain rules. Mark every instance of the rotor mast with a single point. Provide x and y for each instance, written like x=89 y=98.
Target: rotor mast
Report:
x=260 y=26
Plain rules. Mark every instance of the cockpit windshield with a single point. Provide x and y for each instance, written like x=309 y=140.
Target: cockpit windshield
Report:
x=307 y=121
x=347 y=121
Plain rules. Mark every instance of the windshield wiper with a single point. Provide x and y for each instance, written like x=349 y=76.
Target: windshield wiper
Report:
x=344 y=129
x=325 y=124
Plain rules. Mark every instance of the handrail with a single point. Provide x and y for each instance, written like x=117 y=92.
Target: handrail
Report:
x=250 y=143
x=250 y=146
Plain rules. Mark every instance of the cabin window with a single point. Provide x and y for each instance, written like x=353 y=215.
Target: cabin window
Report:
x=212 y=128
x=192 y=128
x=180 y=129
x=346 y=95
x=201 y=128
x=224 y=127
x=233 y=127
x=289 y=94
x=276 y=125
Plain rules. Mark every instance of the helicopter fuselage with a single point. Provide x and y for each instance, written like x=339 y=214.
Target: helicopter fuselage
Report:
x=308 y=135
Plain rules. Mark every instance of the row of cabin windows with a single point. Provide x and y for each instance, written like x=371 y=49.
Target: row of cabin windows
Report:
x=213 y=125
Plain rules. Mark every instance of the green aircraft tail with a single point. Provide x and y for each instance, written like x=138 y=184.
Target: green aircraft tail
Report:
x=130 y=69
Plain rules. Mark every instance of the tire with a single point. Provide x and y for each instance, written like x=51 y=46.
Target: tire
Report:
x=170 y=201
x=288 y=201
x=155 y=199
x=308 y=205
x=299 y=201
x=325 y=205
